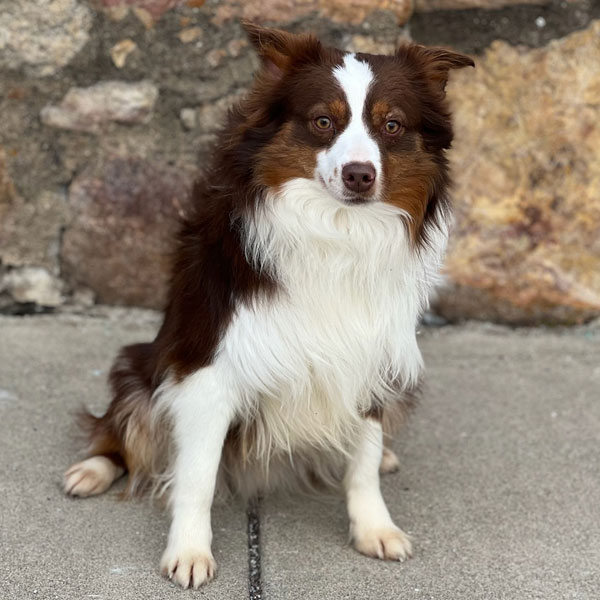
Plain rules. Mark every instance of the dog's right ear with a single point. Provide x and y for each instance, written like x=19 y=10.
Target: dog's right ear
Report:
x=278 y=50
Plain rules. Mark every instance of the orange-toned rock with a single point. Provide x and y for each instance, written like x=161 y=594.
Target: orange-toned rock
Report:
x=526 y=246
x=154 y=8
x=343 y=11
x=356 y=11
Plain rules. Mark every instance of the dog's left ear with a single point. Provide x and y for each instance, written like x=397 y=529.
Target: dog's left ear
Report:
x=278 y=50
x=439 y=62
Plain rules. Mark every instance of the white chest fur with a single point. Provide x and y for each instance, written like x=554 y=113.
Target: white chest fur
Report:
x=342 y=326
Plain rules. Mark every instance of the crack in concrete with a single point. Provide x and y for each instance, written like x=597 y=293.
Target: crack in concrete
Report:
x=254 y=575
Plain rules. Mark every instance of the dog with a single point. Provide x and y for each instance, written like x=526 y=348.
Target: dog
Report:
x=288 y=347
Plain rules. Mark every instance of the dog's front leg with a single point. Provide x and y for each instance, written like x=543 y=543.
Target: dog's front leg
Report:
x=201 y=408
x=371 y=527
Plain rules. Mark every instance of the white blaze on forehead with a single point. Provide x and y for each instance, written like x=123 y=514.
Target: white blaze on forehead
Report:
x=355 y=78
x=355 y=143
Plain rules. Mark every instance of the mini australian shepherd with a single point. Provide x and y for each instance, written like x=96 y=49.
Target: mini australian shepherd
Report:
x=288 y=347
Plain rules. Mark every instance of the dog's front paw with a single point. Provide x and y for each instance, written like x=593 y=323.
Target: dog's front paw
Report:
x=389 y=543
x=189 y=567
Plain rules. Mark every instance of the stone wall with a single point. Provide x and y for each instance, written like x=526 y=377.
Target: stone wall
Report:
x=107 y=107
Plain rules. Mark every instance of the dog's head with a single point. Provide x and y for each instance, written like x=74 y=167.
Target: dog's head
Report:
x=367 y=128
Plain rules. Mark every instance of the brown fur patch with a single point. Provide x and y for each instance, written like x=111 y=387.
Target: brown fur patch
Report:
x=393 y=411
x=410 y=185
x=380 y=110
x=284 y=159
x=338 y=109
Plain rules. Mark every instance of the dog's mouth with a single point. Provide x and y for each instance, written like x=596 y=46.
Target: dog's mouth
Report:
x=357 y=199
x=346 y=197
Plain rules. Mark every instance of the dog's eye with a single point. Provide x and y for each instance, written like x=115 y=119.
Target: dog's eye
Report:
x=322 y=123
x=392 y=127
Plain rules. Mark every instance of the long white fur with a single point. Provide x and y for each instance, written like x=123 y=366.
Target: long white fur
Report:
x=355 y=143
x=343 y=324
x=306 y=363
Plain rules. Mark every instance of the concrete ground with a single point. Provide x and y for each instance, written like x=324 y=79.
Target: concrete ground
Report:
x=499 y=484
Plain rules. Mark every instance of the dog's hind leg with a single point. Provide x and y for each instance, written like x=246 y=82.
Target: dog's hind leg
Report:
x=91 y=476
x=120 y=440
x=389 y=462
x=201 y=408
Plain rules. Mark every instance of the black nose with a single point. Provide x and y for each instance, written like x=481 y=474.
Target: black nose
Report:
x=359 y=176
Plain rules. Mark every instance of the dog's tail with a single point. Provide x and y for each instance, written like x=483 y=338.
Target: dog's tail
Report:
x=122 y=439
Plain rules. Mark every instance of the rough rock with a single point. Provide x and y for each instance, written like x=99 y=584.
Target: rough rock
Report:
x=526 y=246
x=211 y=115
x=473 y=30
x=121 y=50
x=88 y=109
x=428 y=5
x=29 y=231
x=154 y=8
x=42 y=36
x=146 y=18
x=80 y=43
x=188 y=118
x=365 y=43
x=124 y=215
x=190 y=34
x=7 y=192
x=342 y=11
x=32 y=285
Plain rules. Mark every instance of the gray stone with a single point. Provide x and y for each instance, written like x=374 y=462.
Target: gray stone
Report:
x=83 y=297
x=32 y=285
x=190 y=34
x=121 y=50
x=88 y=109
x=429 y=5
x=30 y=231
x=188 y=117
x=124 y=215
x=42 y=36
x=211 y=115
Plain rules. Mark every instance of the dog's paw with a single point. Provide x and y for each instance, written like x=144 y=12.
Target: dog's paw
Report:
x=389 y=462
x=90 y=477
x=388 y=543
x=188 y=567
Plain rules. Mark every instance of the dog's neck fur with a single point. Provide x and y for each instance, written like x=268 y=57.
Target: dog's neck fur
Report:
x=340 y=331
x=333 y=260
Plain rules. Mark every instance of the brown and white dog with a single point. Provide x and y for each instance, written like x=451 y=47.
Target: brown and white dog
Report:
x=288 y=342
